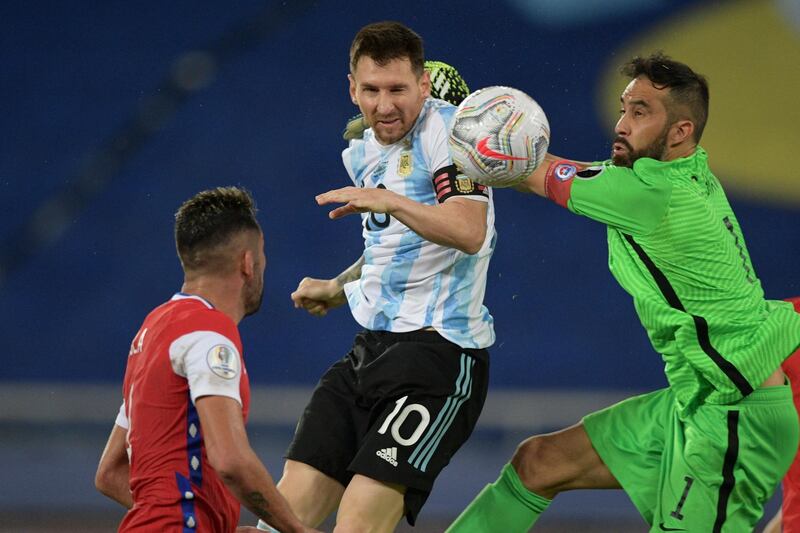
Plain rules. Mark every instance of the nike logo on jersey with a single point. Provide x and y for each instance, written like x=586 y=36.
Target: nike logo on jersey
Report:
x=485 y=151
x=662 y=527
x=389 y=455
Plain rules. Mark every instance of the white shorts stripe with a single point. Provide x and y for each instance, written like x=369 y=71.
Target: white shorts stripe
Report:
x=424 y=450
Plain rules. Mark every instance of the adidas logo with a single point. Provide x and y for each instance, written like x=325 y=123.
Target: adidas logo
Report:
x=389 y=455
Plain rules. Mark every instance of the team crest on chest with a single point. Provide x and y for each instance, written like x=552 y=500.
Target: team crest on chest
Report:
x=464 y=185
x=404 y=165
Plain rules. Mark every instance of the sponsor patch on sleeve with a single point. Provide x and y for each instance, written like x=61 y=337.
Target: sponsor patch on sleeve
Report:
x=223 y=361
x=589 y=172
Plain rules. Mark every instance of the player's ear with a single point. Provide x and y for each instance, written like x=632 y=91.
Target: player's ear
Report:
x=352 y=89
x=681 y=131
x=425 y=83
x=247 y=263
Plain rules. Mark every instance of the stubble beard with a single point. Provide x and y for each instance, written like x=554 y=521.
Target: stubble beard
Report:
x=254 y=296
x=656 y=150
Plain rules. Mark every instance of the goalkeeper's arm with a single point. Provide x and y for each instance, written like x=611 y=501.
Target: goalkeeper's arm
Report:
x=536 y=183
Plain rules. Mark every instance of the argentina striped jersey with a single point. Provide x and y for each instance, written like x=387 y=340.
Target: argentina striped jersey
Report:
x=408 y=283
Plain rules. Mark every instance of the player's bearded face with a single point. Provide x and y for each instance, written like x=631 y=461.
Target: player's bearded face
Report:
x=643 y=126
x=390 y=96
x=629 y=155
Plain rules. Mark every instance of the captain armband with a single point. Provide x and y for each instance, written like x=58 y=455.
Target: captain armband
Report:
x=447 y=182
x=559 y=178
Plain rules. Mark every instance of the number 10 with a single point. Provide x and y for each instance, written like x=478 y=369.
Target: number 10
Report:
x=425 y=418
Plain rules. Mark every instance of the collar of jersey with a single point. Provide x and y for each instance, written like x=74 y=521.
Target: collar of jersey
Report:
x=184 y=296
x=680 y=165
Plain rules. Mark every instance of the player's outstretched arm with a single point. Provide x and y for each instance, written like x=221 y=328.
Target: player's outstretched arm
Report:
x=112 y=477
x=318 y=296
x=230 y=454
x=457 y=223
x=535 y=183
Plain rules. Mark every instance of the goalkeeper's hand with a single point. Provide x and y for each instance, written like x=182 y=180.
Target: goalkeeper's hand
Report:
x=355 y=128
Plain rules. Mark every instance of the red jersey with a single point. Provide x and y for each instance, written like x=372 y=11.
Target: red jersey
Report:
x=185 y=349
x=791 y=482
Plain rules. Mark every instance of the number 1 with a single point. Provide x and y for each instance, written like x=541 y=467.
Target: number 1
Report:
x=677 y=512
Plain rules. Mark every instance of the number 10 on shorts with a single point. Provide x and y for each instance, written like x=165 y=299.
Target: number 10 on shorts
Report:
x=425 y=419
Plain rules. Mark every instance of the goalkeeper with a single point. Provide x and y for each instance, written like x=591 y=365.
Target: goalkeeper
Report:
x=706 y=453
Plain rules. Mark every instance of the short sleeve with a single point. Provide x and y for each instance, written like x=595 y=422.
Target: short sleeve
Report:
x=122 y=418
x=435 y=139
x=619 y=197
x=448 y=181
x=354 y=152
x=210 y=362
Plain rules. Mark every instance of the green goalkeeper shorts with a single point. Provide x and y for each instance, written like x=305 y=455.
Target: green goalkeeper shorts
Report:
x=710 y=471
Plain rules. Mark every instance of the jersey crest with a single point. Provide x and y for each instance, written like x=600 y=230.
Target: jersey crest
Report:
x=464 y=185
x=404 y=165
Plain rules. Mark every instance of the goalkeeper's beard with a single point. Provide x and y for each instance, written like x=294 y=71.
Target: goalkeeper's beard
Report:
x=656 y=150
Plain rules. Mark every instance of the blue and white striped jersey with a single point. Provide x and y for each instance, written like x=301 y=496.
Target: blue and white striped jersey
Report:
x=408 y=283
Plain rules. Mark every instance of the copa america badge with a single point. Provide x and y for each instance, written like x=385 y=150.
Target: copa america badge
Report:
x=223 y=361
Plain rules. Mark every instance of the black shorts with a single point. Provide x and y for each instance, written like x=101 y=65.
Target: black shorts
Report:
x=395 y=409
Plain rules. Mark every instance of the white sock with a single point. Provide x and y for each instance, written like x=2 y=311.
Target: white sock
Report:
x=263 y=526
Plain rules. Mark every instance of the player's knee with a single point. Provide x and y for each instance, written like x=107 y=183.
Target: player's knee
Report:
x=350 y=526
x=372 y=507
x=535 y=461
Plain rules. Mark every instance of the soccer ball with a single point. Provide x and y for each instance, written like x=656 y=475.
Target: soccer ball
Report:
x=499 y=135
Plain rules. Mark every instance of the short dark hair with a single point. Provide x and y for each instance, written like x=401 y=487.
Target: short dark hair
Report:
x=686 y=87
x=384 y=41
x=208 y=221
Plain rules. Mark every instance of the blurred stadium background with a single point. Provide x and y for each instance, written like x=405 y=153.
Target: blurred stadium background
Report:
x=114 y=112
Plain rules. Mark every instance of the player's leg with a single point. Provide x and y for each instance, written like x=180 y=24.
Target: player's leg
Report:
x=616 y=447
x=370 y=506
x=426 y=395
x=561 y=461
x=541 y=467
x=315 y=473
x=727 y=461
x=312 y=495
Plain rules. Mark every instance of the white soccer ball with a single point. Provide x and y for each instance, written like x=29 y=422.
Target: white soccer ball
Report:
x=499 y=135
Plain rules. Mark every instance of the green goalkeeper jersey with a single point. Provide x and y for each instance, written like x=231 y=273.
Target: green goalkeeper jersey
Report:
x=675 y=245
